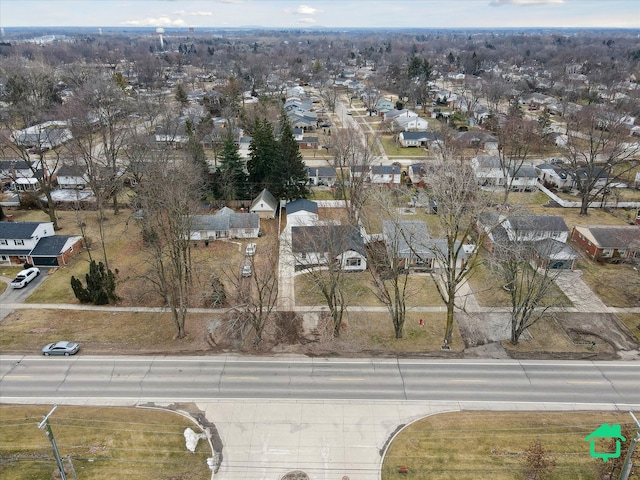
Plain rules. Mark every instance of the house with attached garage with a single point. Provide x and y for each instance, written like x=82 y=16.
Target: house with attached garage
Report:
x=418 y=139
x=553 y=254
x=36 y=243
x=609 y=243
x=224 y=224
x=340 y=246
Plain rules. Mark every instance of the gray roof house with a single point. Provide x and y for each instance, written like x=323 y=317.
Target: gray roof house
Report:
x=224 y=224
x=36 y=243
x=317 y=245
x=409 y=242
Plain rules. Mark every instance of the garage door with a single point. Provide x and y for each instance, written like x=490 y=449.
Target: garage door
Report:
x=45 y=261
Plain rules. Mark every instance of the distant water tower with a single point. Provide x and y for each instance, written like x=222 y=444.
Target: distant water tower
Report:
x=160 y=31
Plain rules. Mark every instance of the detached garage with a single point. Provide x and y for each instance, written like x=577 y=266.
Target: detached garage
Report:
x=55 y=251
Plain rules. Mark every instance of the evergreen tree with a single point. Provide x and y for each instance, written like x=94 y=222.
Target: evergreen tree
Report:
x=231 y=181
x=288 y=176
x=101 y=285
x=263 y=152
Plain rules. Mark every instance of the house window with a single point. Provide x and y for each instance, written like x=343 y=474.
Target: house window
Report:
x=354 y=262
x=622 y=252
x=607 y=252
x=19 y=242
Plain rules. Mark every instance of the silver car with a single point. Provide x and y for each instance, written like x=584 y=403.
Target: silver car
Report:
x=61 y=348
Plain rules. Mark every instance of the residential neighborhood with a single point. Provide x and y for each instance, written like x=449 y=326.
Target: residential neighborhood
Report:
x=360 y=220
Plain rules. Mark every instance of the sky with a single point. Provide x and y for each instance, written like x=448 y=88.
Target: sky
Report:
x=322 y=13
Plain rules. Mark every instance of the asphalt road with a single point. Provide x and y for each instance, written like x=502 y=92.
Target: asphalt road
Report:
x=138 y=379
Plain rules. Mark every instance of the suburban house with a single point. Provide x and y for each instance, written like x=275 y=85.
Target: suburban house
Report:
x=383 y=105
x=476 y=139
x=409 y=124
x=378 y=174
x=302 y=212
x=36 y=243
x=554 y=176
x=413 y=139
x=322 y=175
x=320 y=245
x=72 y=176
x=418 y=174
x=553 y=254
x=44 y=136
x=393 y=114
x=308 y=142
x=523 y=179
x=409 y=243
x=521 y=228
x=10 y=170
x=265 y=205
x=224 y=224
x=609 y=242
x=488 y=170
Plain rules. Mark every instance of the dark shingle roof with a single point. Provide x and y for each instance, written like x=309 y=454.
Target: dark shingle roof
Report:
x=327 y=238
x=542 y=223
x=302 y=204
x=48 y=246
x=17 y=230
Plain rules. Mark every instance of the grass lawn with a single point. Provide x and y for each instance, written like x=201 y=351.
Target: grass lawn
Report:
x=374 y=333
x=472 y=445
x=103 y=443
x=102 y=333
x=632 y=322
x=615 y=285
x=421 y=291
x=394 y=149
x=548 y=336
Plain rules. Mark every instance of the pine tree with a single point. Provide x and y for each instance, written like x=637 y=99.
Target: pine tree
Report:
x=231 y=181
x=263 y=152
x=288 y=179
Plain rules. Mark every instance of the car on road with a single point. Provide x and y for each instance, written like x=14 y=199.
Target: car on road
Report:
x=246 y=271
x=24 y=277
x=61 y=348
x=349 y=112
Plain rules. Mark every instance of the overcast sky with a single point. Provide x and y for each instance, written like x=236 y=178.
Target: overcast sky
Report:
x=326 y=13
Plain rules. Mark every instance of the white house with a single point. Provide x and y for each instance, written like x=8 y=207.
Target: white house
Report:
x=409 y=124
x=265 y=205
x=72 y=176
x=224 y=224
x=302 y=212
x=328 y=245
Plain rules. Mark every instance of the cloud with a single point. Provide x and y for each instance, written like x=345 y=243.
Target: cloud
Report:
x=307 y=21
x=524 y=3
x=306 y=10
x=155 y=22
x=184 y=13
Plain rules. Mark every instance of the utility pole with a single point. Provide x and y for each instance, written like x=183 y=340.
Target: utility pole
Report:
x=47 y=429
x=628 y=462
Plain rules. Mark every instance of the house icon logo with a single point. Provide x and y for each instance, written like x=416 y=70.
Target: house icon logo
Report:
x=605 y=431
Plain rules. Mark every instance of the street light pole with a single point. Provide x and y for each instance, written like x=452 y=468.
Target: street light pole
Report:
x=47 y=429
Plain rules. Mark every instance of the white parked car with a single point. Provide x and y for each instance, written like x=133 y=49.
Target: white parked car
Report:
x=24 y=277
x=246 y=271
x=250 y=250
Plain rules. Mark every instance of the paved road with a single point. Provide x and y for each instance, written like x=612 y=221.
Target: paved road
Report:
x=140 y=379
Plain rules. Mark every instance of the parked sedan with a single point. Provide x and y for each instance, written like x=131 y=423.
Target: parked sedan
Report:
x=246 y=271
x=61 y=348
x=24 y=277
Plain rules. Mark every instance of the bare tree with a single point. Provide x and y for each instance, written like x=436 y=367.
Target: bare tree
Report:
x=166 y=228
x=597 y=152
x=530 y=287
x=453 y=186
x=352 y=160
x=325 y=253
x=517 y=138
x=256 y=292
